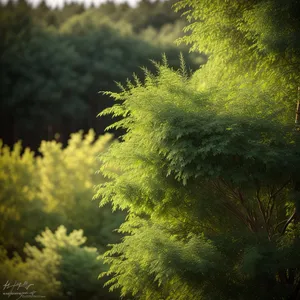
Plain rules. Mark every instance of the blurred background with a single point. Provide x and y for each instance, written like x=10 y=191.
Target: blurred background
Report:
x=55 y=57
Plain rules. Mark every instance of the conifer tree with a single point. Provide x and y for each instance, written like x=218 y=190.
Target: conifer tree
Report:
x=209 y=163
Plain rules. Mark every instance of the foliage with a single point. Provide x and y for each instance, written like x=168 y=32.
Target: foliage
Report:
x=63 y=266
x=209 y=169
x=262 y=66
x=20 y=210
x=67 y=178
x=52 y=189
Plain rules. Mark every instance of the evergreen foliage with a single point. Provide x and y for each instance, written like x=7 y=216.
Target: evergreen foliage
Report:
x=209 y=163
x=246 y=60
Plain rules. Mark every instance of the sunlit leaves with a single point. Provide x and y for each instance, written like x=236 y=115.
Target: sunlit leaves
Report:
x=195 y=170
x=52 y=189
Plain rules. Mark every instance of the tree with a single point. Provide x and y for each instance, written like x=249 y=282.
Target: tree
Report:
x=53 y=189
x=66 y=186
x=209 y=163
x=63 y=268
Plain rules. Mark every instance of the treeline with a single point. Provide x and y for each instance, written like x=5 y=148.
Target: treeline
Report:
x=54 y=62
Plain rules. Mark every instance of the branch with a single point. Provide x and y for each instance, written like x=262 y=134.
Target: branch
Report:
x=282 y=222
x=289 y=221
x=271 y=202
x=282 y=276
x=237 y=194
x=246 y=219
x=261 y=208
x=281 y=188
x=269 y=212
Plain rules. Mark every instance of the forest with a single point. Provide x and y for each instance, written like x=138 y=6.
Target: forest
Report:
x=150 y=152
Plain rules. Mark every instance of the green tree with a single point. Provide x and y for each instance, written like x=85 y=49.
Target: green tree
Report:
x=209 y=163
x=61 y=269
x=52 y=189
x=66 y=186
